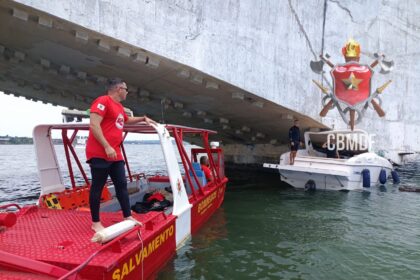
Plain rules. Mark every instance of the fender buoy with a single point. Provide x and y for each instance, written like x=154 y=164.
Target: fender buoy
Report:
x=8 y=219
x=310 y=185
x=113 y=231
x=395 y=177
x=382 y=176
x=366 y=178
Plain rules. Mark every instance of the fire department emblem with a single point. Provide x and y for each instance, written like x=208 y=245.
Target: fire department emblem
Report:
x=119 y=122
x=351 y=91
x=351 y=83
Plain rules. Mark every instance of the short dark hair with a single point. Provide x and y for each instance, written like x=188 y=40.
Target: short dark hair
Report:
x=203 y=160
x=113 y=83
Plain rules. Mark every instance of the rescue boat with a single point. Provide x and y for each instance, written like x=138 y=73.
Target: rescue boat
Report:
x=52 y=240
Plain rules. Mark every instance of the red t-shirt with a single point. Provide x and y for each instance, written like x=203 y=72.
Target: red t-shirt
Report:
x=112 y=126
x=207 y=172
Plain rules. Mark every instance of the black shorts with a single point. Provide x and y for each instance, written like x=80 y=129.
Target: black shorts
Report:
x=295 y=146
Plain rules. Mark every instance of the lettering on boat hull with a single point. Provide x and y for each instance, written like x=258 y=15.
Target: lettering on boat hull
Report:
x=131 y=268
x=206 y=207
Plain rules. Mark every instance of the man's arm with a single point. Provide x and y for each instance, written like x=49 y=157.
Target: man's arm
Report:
x=133 y=120
x=95 y=126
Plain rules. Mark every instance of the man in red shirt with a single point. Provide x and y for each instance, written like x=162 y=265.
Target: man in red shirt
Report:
x=103 y=153
x=204 y=162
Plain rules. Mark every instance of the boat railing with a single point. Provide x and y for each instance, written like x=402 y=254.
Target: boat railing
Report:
x=69 y=150
x=46 y=153
x=187 y=163
x=134 y=178
x=10 y=205
x=31 y=266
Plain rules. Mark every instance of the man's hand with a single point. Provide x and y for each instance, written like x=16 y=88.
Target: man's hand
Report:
x=149 y=121
x=133 y=120
x=110 y=152
x=292 y=144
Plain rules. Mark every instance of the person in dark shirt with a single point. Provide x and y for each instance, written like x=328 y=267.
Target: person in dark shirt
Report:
x=294 y=140
x=331 y=149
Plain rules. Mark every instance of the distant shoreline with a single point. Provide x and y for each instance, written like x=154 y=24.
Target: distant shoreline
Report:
x=9 y=140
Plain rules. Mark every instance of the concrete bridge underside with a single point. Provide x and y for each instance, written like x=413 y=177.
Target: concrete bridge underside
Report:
x=49 y=59
x=238 y=67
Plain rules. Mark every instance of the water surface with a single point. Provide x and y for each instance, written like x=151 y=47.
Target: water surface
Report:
x=265 y=230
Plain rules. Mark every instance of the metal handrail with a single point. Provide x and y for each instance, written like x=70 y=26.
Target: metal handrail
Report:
x=10 y=205
x=30 y=265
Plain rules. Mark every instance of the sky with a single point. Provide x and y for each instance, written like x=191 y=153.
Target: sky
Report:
x=19 y=116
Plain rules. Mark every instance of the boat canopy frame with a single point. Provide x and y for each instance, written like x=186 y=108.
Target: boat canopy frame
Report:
x=45 y=152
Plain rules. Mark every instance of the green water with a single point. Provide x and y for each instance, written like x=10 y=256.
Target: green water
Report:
x=265 y=230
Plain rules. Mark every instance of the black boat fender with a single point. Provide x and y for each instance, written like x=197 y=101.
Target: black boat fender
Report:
x=395 y=177
x=366 y=178
x=382 y=176
x=310 y=185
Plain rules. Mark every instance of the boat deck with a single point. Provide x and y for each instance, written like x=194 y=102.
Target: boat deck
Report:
x=63 y=237
x=311 y=170
x=312 y=158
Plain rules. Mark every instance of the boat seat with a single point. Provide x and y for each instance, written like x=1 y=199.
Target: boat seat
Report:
x=196 y=166
x=113 y=204
x=200 y=176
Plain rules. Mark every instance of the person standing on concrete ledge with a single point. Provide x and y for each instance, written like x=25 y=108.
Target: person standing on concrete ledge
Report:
x=294 y=140
x=103 y=152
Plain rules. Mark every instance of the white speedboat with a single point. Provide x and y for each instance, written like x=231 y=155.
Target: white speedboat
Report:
x=356 y=168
